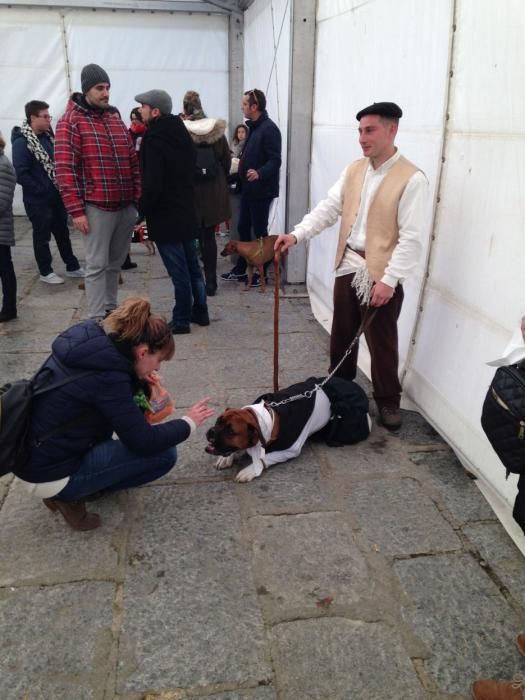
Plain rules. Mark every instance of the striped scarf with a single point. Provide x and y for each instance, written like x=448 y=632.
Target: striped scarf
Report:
x=40 y=153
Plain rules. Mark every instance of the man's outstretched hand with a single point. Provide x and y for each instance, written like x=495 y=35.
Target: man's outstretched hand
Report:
x=284 y=241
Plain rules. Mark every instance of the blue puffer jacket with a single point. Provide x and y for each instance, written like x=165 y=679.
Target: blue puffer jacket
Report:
x=262 y=152
x=102 y=401
x=36 y=185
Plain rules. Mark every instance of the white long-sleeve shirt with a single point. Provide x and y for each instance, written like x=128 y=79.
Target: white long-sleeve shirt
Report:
x=410 y=218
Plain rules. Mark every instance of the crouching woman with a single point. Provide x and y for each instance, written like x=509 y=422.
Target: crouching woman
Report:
x=73 y=454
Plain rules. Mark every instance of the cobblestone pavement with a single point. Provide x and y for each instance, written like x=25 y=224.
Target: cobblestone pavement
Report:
x=366 y=572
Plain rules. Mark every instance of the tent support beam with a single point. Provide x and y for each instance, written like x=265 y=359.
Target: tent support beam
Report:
x=176 y=6
x=236 y=66
x=300 y=114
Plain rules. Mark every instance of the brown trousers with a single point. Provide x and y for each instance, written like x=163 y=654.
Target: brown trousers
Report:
x=381 y=337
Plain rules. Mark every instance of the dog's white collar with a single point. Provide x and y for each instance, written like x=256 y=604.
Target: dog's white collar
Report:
x=265 y=420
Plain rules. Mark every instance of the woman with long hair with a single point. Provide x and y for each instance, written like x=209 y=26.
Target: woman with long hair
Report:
x=115 y=362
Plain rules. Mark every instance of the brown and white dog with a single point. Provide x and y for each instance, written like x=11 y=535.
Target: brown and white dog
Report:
x=256 y=253
x=267 y=436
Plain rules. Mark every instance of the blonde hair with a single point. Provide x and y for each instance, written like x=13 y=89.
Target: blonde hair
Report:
x=133 y=323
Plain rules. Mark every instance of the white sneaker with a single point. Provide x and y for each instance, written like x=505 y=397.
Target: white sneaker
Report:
x=76 y=273
x=52 y=278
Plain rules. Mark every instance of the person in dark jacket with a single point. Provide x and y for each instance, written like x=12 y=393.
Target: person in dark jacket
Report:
x=7 y=236
x=167 y=162
x=33 y=157
x=114 y=359
x=259 y=173
x=212 y=199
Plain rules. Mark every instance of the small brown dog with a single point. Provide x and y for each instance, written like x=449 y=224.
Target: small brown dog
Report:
x=256 y=253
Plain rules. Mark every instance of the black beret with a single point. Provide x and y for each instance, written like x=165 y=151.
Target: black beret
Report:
x=384 y=109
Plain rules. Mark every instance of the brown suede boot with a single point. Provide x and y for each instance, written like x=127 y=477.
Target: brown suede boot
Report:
x=520 y=643
x=75 y=514
x=390 y=417
x=492 y=690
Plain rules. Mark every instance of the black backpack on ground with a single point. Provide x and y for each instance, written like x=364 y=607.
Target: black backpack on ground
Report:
x=206 y=166
x=503 y=417
x=16 y=399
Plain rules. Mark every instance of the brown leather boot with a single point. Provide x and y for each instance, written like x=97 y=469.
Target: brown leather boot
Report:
x=75 y=514
x=520 y=643
x=492 y=690
x=390 y=417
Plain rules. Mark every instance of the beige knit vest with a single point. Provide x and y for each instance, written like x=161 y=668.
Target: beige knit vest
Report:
x=382 y=232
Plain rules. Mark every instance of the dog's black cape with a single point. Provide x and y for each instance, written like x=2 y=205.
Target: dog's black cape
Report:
x=348 y=423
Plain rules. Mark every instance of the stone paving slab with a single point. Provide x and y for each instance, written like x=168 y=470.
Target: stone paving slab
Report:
x=48 y=555
x=49 y=653
x=458 y=612
x=290 y=487
x=457 y=490
x=341 y=659
x=501 y=554
x=305 y=564
x=191 y=614
x=399 y=518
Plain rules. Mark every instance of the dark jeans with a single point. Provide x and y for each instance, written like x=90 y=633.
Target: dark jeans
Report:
x=182 y=265
x=253 y=216
x=110 y=466
x=208 y=246
x=8 y=278
x=50 y=217
x=381 y=338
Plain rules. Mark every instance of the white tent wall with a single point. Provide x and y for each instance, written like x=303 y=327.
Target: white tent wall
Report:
x=476 y=287
x=455 y=68
x=266 y=66
x=40 y=48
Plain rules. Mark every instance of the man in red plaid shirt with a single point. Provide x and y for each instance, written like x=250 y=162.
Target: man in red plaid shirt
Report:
x=99 y=180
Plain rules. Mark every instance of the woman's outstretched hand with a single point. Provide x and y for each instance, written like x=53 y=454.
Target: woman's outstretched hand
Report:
x=200 y=412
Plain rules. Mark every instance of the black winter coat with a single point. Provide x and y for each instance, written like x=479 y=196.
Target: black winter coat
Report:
x=102 y=401
x=212 y=200
x=262 y=152
x=167 y=164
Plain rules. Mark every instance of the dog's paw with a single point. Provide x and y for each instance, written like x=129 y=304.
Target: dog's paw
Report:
x=224 y=462
x=247 y=474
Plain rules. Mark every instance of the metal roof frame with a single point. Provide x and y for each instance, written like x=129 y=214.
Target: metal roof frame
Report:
x=174 y=6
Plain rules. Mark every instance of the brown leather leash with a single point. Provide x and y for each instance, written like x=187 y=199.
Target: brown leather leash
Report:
x=276 y=289
x=365 y=322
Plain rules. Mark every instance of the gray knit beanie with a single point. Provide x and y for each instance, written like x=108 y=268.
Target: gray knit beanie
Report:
x=92 y=75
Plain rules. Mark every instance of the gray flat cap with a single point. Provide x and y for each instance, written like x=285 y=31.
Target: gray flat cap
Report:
x=156 y=98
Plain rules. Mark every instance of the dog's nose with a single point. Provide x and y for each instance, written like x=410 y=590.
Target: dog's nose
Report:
x=210 y=435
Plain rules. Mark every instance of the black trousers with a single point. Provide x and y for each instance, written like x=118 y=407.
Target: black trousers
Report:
x=381 y=337
x=8 y=278
x=50 y=217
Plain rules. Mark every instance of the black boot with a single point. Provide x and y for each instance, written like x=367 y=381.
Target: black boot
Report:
x=127 y=264
x=7 y=315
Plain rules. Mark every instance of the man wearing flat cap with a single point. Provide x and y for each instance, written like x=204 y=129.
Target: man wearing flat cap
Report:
x=167 y=165
x=381 y=199
x=99 y=180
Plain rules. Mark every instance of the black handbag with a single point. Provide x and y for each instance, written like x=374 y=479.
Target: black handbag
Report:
x=503 y=416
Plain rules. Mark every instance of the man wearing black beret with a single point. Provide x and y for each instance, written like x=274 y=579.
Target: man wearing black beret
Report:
x=381 y=200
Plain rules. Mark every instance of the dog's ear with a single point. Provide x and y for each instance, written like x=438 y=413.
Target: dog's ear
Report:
x=254 y=429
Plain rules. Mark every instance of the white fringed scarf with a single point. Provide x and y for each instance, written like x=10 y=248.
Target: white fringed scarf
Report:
x=40 y=153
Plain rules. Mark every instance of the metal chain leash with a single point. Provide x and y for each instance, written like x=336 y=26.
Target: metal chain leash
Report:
x=369 y=315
